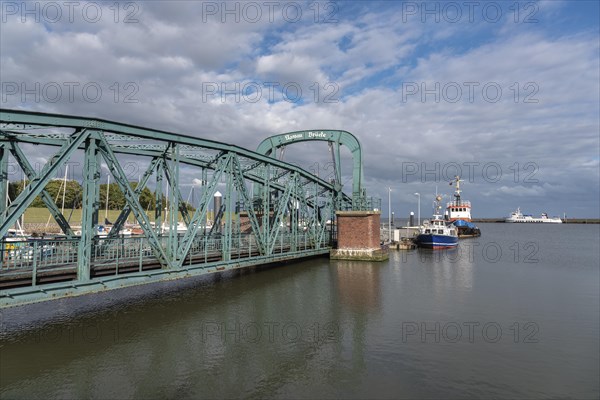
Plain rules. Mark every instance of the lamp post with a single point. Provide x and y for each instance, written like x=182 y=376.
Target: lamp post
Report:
x=107 y=192
x=418 y=209
x=390 y=214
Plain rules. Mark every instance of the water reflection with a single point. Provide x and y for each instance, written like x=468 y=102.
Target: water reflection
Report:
x=236 y=337
x=358 y=289
x=451 y=267
x=358 y=285
x=324 y=329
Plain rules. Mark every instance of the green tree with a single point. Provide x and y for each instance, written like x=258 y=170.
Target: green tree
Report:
x=147 y=199
x=116 y=199
x=74 y=192
x=56 y=190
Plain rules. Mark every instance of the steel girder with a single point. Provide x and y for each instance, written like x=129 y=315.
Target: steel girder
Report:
x=3 y=180
x=120 y=221
x=15 y=118
x=249 y=171
x=38 y=182
x=89 y=212
x=46 y=198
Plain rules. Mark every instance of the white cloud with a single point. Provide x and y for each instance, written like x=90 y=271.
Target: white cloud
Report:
x=171 y=56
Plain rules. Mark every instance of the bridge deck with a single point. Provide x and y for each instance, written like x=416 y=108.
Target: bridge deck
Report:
x=49 y=268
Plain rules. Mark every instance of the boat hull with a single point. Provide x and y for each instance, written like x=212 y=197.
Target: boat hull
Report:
x=517 y=217
x=534 y=221
x=436 y=242
x=466 y=229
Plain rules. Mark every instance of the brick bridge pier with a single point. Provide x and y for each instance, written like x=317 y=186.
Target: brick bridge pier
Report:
x=359 y=237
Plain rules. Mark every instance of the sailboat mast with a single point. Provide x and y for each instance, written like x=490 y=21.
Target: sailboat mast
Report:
x=62 y=209
x=107 y=191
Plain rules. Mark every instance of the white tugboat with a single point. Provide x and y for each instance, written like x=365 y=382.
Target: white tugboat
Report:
x=518 y=217
x=458 y=212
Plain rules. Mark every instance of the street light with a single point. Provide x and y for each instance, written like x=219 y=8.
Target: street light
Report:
x=390 y=214
x=419 y=209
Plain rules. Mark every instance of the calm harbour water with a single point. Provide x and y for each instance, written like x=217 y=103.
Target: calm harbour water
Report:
x=512 y=314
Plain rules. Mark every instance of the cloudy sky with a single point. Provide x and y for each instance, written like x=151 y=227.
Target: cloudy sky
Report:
x=505 y=92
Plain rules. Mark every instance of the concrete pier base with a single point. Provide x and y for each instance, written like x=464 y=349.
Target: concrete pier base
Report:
x=380 y=254
x=358 y=237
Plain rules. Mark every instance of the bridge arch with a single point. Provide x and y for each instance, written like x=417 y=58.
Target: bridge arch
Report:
x=270 y=145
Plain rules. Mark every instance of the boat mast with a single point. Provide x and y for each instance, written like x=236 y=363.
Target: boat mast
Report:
x=457 y=191
x=107 y=192
x=437 y=206
x=62 y=208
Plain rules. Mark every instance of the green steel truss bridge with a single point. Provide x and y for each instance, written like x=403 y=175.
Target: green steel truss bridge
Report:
x=271 y=211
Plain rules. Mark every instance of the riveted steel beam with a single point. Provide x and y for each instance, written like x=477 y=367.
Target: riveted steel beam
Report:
x=43 y=119
x=38 y=182
x=247 y=202
x=131 y=198
x=201 y=211
x=89 y=218
x=46 y=198
x=120 y=221
x=3 y=180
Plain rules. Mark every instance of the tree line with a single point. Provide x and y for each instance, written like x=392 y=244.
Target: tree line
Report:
x=73 y=195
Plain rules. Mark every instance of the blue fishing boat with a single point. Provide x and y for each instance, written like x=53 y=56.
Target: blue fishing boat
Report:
x=437 y=233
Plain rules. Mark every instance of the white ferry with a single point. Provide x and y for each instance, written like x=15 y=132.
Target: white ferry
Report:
x=517 y=216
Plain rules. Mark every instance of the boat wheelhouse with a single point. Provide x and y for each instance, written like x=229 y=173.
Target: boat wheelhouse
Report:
x=458 y=211
x=437 y=233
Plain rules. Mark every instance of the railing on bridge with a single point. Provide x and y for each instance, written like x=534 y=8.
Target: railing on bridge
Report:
x=44 y=261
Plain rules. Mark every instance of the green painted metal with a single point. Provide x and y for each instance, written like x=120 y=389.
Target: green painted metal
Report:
x=46 y=198
x=158 y=198
x=270 y=145
x=131 y=198
x=38 y=182
x=173 y=183
x=17 y=117
x=279 y=210
x=122 y=218
x=250 y=173
x=35 y=294
x=174 y=200
x=200 y=213
x=227 y=202
x=3 y=192
x=247 y=204
x=91 y=176
x=285 y=220
x=3 y=181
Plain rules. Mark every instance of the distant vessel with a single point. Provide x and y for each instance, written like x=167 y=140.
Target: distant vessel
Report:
x=458 y=212
x=435 y=234
x=517 y=216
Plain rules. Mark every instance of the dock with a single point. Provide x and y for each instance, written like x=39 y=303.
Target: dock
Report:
x=404 y=244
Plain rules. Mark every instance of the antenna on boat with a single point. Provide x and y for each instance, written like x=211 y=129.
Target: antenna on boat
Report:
x=457 y=191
